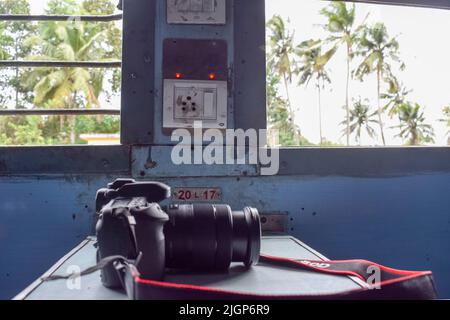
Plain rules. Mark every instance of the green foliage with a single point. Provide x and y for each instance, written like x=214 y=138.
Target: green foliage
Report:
x=361 y=119
x=107 y=125
x=286 y=61
x=70 y=7
x=277 y=110
x=282 y=48
x=71 y=41
x=378 y=51
x=395 y=95
x=281 y=60
x=413 y=126
x=12 y=36
x=446 y=119
x=341 y=23
x=313 y=65
x=330 y=144
x=15 y=130
x=343 y=32
x=3 y=40
x=278 y=114
x=58 y=87
x=23 y=131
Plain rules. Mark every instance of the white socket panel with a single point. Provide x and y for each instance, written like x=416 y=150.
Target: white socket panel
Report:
x=187 y=101
x=196 y=11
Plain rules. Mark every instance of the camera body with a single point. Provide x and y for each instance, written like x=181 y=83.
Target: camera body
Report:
x=208 y=237
x=130 y=221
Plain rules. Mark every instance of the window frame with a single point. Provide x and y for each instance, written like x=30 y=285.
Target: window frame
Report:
x=137 y=118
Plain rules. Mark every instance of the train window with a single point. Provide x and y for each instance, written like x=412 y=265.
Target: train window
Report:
x=60 y=79
x=357 y=74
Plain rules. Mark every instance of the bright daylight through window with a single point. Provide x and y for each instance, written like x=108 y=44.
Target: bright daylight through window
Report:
x=344 y=74
x=50 y=88
x=338 y=74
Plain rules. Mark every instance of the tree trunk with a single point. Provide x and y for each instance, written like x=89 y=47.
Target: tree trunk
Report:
x=359 y=137
x=414 y=136
x=347 y=89
x=16 y=57
x=72 y=129
x=72 y=118
x=379 y=111
x=291 y=112
x=61 y=124
x=320 y=112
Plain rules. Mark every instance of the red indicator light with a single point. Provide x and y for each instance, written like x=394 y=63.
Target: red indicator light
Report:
x=178 y=75
x=212 y=76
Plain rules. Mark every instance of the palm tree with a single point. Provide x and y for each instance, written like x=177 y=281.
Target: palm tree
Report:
x=312 y=65
x=378 y=50
x=12 y=37
x=4 y=83
x=361 y=119
x=446 y=111
x=281 y=58
x=446 y=119
x=3 y=39
x=412 y=125
x=66 y=87
x=341 y=26
x=395 y=95
x=67 y=42
x=277 y=113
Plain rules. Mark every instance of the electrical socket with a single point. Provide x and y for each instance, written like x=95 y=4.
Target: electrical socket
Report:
x=187 y=101
x=195 y=103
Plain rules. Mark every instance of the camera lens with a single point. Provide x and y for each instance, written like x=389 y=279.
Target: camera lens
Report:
x=210 y=237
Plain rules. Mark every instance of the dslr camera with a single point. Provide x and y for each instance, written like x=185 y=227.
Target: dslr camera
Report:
x=132 y=223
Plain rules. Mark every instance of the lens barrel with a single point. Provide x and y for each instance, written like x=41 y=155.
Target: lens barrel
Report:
x=211 y=237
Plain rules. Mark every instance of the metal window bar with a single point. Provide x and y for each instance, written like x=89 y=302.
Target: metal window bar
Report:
x=83 y=18
x=58 y=112
x=60 y=64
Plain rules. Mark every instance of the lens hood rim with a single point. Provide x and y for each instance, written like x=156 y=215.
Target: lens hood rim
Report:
x=254 y=240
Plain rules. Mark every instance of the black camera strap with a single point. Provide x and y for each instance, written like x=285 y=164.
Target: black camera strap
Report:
x=377 y=282
x=100 y=265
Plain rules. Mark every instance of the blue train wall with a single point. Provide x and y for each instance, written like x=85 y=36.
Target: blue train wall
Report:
x=401 y=220
x=388 y=205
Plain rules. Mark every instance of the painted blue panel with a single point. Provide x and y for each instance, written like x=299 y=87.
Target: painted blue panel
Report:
x=156 y=161
x=40 y=221
x=402 y=222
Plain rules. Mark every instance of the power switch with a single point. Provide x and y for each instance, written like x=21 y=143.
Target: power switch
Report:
x=197 y=11
x=210 y=110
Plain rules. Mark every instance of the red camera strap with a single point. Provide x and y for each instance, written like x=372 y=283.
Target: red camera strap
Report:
x=380 y=283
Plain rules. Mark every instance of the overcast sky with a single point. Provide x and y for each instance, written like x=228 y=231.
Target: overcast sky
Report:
x=424 y=47
x=424 y=40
